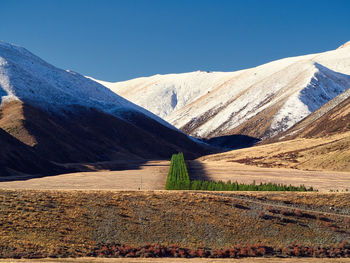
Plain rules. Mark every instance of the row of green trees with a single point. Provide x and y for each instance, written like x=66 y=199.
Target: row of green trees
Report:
x=235 y=186
x=178 y=179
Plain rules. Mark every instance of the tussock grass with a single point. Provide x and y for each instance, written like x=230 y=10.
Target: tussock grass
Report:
x=74 y=223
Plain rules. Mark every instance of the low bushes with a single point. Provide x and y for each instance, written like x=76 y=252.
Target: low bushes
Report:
x=239 y=251
x=114 y=250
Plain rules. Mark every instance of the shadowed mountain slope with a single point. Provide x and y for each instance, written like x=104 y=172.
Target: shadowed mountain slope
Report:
x=89 y=135
x=17 y=158
x=64 y=117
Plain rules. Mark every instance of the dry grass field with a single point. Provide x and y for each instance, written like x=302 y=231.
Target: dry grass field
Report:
x=76 y=223
x=148 y=176
x=74 y=218
x=328 y=153
x=220 y=169
x=152 y=175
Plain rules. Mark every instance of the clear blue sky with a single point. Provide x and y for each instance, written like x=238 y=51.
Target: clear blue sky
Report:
x=119 y=40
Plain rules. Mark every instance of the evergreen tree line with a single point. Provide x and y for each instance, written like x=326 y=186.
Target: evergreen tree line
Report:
x=235 y=186
x=178 y=179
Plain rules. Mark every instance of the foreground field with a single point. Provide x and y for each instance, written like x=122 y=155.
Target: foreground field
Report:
x=83 y=223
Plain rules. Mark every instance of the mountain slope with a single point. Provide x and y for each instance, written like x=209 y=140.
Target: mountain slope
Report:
x=331 y=119
x=321 y=141
x=65 y=117
x=17 y=158
x=329 y=153
x=259 y=102
x=89 y=135
x=26 y=77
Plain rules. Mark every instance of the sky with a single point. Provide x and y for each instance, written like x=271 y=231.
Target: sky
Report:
x=118 y=40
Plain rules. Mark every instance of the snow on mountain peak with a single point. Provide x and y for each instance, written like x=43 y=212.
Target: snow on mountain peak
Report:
x=26 y=77
x=260 y=101
x=15 y=48
x=346 y=45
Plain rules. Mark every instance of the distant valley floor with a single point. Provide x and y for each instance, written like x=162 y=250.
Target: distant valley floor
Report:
x=152 y=175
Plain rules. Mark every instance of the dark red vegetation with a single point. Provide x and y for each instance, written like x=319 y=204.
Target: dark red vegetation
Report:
x=116 y=250
x=155 y=250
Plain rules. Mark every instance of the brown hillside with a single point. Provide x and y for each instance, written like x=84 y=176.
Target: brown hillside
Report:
x=324 y=153
x=319 y=142
x=16 y=157
x=88 y=135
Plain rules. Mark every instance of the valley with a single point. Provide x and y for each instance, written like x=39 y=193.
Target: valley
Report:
x=151 y=175
x=83 y=169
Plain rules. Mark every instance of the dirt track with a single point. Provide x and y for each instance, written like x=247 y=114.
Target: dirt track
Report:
x=152 y=176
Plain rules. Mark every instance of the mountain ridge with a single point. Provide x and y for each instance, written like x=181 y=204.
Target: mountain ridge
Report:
x=210 y=104
x=63 y=117
x=54 y=86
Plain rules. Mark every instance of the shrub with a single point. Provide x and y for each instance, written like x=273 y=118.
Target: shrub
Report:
x=262 y=214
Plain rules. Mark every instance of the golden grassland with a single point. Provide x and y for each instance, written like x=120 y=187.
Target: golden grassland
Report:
x=331 y=153
x=72 y=223
x=323 y=181
x=309 y=199
x=152 y=175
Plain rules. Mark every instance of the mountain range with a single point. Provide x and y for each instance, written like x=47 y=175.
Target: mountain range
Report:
x=260 y=102
x=50 y=118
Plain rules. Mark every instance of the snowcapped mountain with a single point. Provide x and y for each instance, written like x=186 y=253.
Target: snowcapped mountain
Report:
x=63 y=116
x=26 y=77
x=260 y=102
